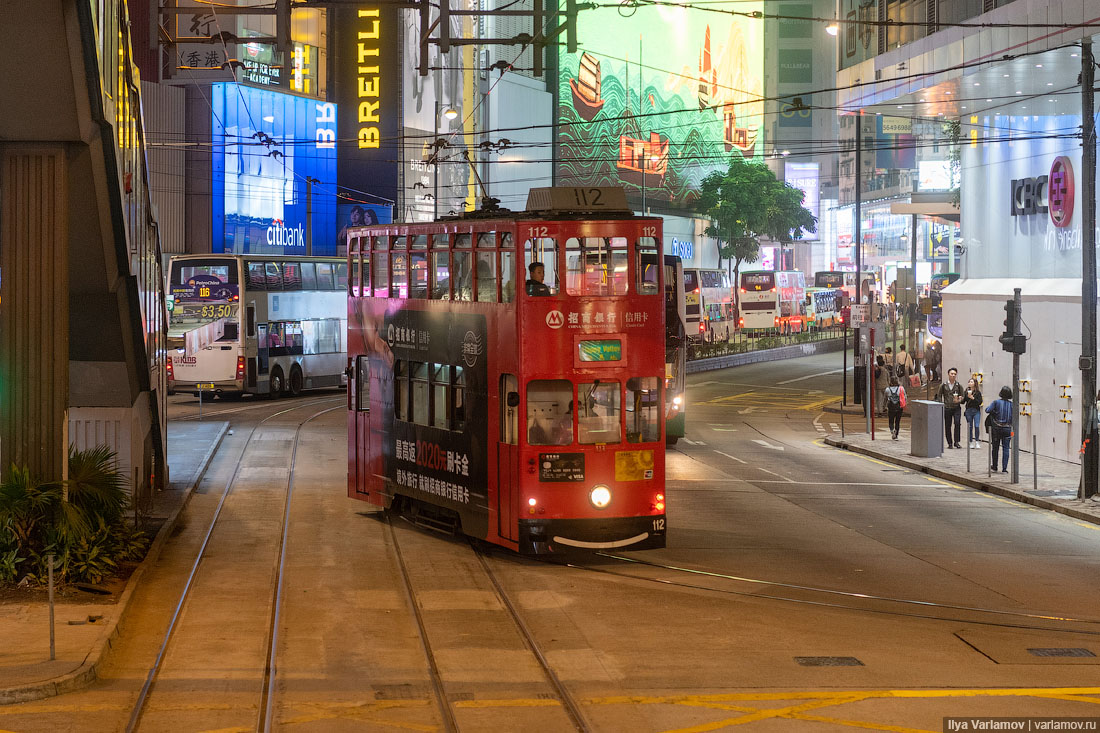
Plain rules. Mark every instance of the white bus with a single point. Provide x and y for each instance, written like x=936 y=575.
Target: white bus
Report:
x=262 y=324
x=823 y=307
x=709 y=304
x=759 y=302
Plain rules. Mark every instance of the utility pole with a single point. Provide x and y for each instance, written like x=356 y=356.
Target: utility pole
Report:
x=1090 y=450
x=911 y=305
x=859 y=217
x=1017 y=305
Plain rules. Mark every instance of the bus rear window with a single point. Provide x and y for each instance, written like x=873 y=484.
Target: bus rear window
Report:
x=691 y=281
x=224 y=270
x=758 y=281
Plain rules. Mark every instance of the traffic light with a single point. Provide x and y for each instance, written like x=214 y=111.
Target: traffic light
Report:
x=1012 y=342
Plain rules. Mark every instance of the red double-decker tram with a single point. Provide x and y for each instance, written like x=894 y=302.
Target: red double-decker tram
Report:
x=507 y=373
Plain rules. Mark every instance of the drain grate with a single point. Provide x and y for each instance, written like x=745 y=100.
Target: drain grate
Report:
x=828 y=661
x=1061 y=652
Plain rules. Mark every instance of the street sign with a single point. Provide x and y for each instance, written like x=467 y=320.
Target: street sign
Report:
x=205 y=385
x=860 y=314
x=926 y=306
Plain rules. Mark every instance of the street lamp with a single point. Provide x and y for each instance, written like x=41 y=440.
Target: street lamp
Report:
x=448 y=114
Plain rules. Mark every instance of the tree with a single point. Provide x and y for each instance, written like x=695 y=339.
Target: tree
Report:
x=748 y=202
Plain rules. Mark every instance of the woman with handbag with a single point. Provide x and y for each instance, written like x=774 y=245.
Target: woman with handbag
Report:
x=895 y=405
x=972 y=406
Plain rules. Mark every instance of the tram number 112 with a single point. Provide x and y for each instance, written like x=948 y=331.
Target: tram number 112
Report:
x=658 y=525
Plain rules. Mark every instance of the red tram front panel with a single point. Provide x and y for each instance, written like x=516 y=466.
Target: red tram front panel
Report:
x=534 y=421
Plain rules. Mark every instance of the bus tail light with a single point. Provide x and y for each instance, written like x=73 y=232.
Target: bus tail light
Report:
x=702 y=326
x=741 y=322
x=777 y=320
x=240 y=367
x=171 y=371
x=659 y=502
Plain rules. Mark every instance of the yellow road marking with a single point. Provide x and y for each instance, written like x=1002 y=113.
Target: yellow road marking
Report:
x=514 y=703
x=764 y=715
x=860 y=724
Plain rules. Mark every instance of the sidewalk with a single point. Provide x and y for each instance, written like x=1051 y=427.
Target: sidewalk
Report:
x=86 y=630
x=1055 y=487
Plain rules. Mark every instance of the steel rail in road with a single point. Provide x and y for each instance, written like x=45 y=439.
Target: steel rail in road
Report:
x=154 y=671
x=572 y=709
x=246 y=408
x=1023 y=615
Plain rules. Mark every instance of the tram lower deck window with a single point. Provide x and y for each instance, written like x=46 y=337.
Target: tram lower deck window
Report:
x=549 y=412
x=643 y=410
x=598 y=413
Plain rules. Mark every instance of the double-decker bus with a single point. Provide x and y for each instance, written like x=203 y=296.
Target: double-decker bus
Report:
x=525 y=414
x=709 y=304
x=823 y=307
x=837 y=280
x=261 y=324
x=772 y=301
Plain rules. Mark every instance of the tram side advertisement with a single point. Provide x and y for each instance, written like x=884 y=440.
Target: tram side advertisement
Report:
x=444 y=463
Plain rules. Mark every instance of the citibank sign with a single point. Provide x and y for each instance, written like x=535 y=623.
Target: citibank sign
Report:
x=279 y=235
x=1050 y=194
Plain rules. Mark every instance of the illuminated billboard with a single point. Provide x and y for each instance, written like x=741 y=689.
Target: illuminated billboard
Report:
x=265 y=145
x=660 y=102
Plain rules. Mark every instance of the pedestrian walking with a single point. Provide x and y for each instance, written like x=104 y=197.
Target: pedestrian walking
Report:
x=882 y=381
x=951 y=395
x=972 y=406
x=1000 y=418
x=903 y=363
x=895 y=405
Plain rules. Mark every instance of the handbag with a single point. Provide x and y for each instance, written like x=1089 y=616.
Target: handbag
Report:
x=914 y=380
x=904 y=400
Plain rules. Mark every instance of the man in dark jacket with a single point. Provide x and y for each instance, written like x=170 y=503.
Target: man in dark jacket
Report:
x=951 y=395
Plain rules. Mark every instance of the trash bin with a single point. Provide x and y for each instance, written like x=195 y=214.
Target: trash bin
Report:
x=926 y=428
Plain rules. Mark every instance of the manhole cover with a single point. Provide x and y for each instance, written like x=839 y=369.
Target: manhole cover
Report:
x=1061 y=652
x=828 y=661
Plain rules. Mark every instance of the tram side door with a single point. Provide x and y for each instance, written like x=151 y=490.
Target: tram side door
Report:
x=360 y=447
x=508 y=459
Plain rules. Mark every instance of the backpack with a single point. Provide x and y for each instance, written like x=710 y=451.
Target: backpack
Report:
x=893 y=397
x=900 y=371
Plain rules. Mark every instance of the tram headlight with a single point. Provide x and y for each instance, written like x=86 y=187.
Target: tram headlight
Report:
x=600 y=496
x=678 y=400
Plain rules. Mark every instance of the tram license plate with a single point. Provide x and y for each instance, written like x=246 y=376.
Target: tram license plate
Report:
x=561 y=467
x=205 y=385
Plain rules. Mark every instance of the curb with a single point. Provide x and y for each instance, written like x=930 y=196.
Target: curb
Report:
x=86 y=673
x=755 y=357
x=968 y=482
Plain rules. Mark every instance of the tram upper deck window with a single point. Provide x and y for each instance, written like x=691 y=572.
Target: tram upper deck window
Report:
x=462 y=275
x=441 y=241
x=441 y=275
x=596 y=266
x=418 y=275
x=549 y=412
x=544 y=251
x=486 y=277
x=399 y=287
x=599 y=413
x=643 y=410
x=381 y=274
x=420 y=241
x=648 y=264
x=487 y=239
x=507 y=276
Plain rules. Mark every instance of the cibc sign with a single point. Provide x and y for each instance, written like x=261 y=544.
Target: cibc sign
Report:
x=1050 y=194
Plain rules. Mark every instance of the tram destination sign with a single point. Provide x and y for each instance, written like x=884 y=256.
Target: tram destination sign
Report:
x=601 y=350
x=561 y=467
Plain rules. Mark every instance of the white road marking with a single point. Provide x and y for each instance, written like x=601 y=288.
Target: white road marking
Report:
x=689 y=441
x=834 y=427
x=811 y=376
x=747 y=410
x=766 y=444
x=727 y=455
x=704 y=384
x=773 y=473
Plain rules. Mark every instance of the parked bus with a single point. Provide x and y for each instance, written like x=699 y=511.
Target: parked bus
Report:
x=773 y=301
x=823 y=307
x=260 y=324
x=529 y=416
x=709 y=304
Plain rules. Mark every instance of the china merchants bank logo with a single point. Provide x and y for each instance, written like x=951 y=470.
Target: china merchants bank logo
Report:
x=555 y=319
x=472 y=348
x=1060 y=191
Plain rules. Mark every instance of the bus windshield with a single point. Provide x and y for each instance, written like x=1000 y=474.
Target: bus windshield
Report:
x=201 y=292
x=758 y=280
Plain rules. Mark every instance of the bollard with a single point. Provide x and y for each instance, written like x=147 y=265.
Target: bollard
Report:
x=49 y=574
x=968 y=449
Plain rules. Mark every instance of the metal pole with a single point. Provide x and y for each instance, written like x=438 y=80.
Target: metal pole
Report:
x=1034 y=463
x=309 y=215
x=968 y=441
x=868 y=407
x=859 y=217
x=645 y=157
x=200 y=404
x=1091 y=451
x=1018 y=298
x=870 y=370
x=49 y=573
x=435 y=158
x=912 y=305
x=844 y=373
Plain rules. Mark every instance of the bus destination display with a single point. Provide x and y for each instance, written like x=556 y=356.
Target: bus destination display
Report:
x=601 y=350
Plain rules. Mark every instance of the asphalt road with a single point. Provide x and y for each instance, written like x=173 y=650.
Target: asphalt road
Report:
x=802 y=587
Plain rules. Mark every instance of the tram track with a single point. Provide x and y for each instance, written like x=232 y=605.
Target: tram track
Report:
x=1000 y=618
x=246 y=408
x=265 y=715
x=444 y=701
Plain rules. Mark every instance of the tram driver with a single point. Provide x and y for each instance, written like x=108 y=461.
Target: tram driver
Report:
x=536 y=276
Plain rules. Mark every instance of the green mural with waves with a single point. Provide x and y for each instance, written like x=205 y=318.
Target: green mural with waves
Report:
x=659 y=127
